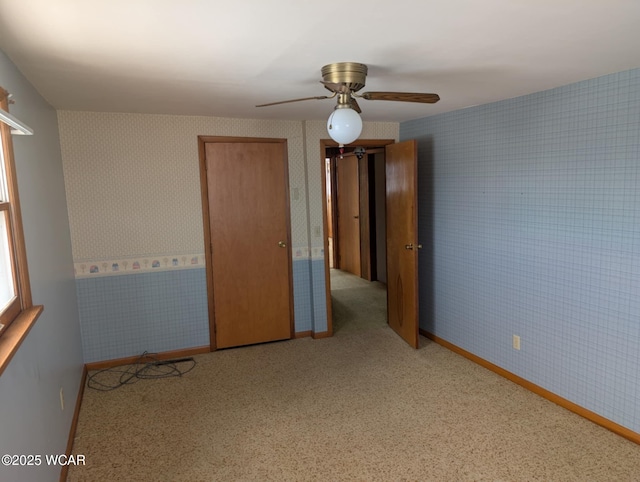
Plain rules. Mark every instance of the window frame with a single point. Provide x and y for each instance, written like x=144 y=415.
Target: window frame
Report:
x=20 y=314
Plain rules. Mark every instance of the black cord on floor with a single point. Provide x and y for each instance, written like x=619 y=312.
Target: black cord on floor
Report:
x=146 y=367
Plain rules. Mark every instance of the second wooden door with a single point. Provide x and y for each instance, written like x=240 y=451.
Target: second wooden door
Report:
x=402 y=239
x=348 y=215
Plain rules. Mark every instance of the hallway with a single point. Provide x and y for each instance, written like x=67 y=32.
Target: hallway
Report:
x=357 y=304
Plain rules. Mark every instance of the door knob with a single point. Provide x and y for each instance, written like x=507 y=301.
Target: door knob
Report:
x=282 y=244
x=419 y=246
x=408 y=246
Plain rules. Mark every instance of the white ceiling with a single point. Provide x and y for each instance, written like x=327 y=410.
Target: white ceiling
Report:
x=221 y=58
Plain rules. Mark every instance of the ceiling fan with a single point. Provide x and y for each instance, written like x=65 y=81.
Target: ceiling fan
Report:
x=345 y=80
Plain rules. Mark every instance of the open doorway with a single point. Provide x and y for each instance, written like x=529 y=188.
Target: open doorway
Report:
x=355 y=228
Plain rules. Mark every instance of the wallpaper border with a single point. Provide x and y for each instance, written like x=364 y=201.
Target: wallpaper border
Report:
x=163 y=262
x=137 y=264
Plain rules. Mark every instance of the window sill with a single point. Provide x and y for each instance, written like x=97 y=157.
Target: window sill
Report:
x=15 y=334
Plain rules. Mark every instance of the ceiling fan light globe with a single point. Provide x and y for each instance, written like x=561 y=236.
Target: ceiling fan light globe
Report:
x=344 y=125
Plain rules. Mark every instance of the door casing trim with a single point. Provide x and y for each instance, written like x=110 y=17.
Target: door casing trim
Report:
x=324 y=144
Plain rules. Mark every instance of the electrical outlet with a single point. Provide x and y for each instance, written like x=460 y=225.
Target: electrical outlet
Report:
x=61 y=399
x=516 y=342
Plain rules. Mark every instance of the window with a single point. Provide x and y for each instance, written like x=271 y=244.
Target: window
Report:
x=17 y=313
x=9 y=293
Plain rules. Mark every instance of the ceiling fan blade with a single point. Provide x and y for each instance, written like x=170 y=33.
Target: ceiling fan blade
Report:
x=402 y=97
x=319 y=97
x=355 y=106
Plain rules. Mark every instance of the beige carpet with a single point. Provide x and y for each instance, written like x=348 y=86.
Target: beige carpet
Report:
x=359 y=406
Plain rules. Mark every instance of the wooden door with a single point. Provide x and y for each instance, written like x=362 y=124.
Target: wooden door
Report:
x=402 y=241
x=249 y=228
x=348 y=215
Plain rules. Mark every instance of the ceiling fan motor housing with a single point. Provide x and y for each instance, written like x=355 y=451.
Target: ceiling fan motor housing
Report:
x=352 y=74
x=344 y=79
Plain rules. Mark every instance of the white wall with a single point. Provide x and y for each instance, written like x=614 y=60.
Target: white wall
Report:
x=133 y=180
x=50 y=358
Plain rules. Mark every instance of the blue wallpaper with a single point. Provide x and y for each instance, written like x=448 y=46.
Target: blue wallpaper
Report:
x=122 y=316
x=529 y=211
x=302 y=302
x=125 y=315
x=319 y=296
